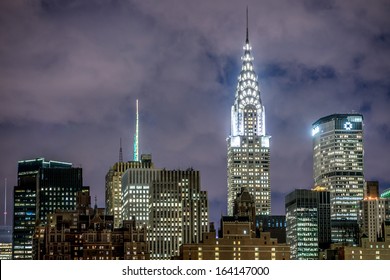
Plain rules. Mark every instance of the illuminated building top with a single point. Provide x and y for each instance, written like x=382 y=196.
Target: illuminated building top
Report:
x=247 y=111
x=385 y=194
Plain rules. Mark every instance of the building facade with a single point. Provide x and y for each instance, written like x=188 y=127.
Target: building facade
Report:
x=57 y=189
x=114 y=186
x=178 y=212
x=43 y=186
x=5 y=242
x=302 y=224
x=248 y=145
x=235 y=242
x=338 y=166
x=372 y=216
x=24 y=222
x=371 y=189
x=238 y=237
x=369 y=250
x=135 y=197
x=170 y=203
x=274 y=224
x=324 y=220
x=89 y=234
x=373 y=213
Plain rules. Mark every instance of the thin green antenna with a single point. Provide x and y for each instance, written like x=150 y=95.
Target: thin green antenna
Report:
x=136 y=148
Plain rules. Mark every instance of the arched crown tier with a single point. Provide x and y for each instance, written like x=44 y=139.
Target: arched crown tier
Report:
x=247 y=111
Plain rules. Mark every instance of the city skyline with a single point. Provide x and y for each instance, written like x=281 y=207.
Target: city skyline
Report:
x=71 y=72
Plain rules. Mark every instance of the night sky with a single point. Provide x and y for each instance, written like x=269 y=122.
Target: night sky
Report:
x=71 y=71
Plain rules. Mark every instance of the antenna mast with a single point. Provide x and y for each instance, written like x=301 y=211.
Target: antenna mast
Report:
x=247 y=28
x=135 y=152
x=120 y=151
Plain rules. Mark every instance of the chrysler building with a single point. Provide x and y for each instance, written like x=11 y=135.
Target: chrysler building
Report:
x=248 y=145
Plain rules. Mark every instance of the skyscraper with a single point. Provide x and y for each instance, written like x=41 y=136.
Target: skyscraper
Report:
x=170 y=202
x=248 y=146
x=114 y=189
x=373 y=212
x=338 y=166
x=308 y=222
x=114 y=176
x=43 y=186
x=178 y=212
x=372 y=216
x=136 y=181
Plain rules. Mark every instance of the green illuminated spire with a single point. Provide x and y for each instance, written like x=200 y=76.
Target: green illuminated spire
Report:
x=136 y=148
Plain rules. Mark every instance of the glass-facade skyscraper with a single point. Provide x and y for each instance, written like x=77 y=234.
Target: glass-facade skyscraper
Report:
x=338 y=166
x=248 y=145
x=43 y=186
x=302 y=224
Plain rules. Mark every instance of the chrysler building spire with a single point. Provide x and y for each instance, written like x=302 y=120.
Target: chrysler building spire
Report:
x=248 y=111
x=247 y=28
x=248 y=144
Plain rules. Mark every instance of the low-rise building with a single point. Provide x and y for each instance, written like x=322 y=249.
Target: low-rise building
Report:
x=237 y=238
x=89 y=234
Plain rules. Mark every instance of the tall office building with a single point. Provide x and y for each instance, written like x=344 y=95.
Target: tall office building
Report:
x=338 y=166
x=302 y=224
x=57 y=189
x=24 y=222
x=136 y=182
x=324 y=221
x=248 y=146
x=170 y=202
x=114 y=186
x=178 y=212
x=43 y=186
x=373 y=213
x=115 y=173
x=372 y=217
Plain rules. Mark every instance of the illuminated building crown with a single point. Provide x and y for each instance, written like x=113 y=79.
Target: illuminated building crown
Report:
x=247 y=112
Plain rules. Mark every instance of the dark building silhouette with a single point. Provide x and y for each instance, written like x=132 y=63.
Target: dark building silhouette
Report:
x=43 y=186
x=89 y=234
x=308 y=223
x=371 y=189
x=274 y=224
x=244 y=206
